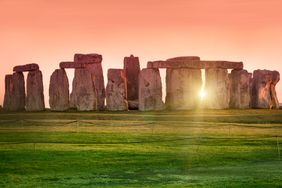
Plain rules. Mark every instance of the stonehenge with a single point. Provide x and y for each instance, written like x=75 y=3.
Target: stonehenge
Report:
x=94 y=65
x=131 y=88
x=27 y=67
x=240 y=89
x=194 y=64
x=131 y=68
x=182 y=88
x=59 y=91
x=217 y=88
x=263 y=89
x=150 y=90
x=14 y=99
x=34 y=91
x=84 y=95
x=116 y=90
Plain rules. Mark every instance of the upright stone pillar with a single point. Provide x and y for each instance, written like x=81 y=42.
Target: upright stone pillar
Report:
x=263 y=89
x=35 y=96
x=182 y=88
x=83 y=96
x=14 y=99
x=217 y=88
x=94 y=65
x=150 y=90
x=116 y=92
x=131 y=67
x=240 y=93
x=59 y=91
x=8 y=92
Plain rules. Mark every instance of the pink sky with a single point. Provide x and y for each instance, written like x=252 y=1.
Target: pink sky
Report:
x=49 y=31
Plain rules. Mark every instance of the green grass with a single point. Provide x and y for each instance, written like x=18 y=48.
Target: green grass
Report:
x=210 y=148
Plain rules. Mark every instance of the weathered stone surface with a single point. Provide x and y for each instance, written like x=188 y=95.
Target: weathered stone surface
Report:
x=263 y=89
x=116 y=92
x=95 y=67
x=191 y=64
x=27 y=67
x=150 y=90
x=34 y=91
x=72 y=65
x=185 y=58
x=223 y=65
x=14 y=99
x=88 y=58
x=240 y=93
x=182 y=88
x=195 y=64
x=8 y=92
x=59 y=91
x=217 y=88
x=131 y=68
x=83 y=96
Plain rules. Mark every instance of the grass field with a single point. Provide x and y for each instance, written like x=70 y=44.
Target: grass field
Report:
x=224 y=148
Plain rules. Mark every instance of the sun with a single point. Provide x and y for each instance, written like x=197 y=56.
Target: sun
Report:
x=202 y=94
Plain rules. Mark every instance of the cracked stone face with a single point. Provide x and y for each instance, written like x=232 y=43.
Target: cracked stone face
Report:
x=116 y=91
x=150 y=90
x=59 y=91
x=263 y=89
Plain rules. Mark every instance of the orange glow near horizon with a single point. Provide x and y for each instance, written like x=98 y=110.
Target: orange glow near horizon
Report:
x=47 y=32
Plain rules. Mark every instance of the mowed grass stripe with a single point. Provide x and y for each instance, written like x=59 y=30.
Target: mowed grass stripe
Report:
x=220 y=148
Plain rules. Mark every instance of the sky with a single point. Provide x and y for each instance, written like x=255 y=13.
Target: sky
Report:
x=47 y=32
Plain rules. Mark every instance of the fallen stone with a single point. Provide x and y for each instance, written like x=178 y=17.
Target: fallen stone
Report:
x=27 y=67
x=217 y=88
x=131 y=68
x=34 y=92
x=59 y=91
x=195 y=64
x=263 y=89
x=116 y=93
x=83 y=96
x=240 y=94
x=14 y=99
x=182 y=88
x=150 y=90
x=95 y=67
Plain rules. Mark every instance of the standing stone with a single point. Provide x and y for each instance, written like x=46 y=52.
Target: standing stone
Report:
x=83 y=96
x=240 y=93
x=34 y=95
x=8 y=92
x=14 y=99
x=131 y=68
x=59 y=91
x=94 y=65
x=182 y=88
x=116 y=92
x=263 y=89
x=150 y=90
x=217 y=88
x=274 y=98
